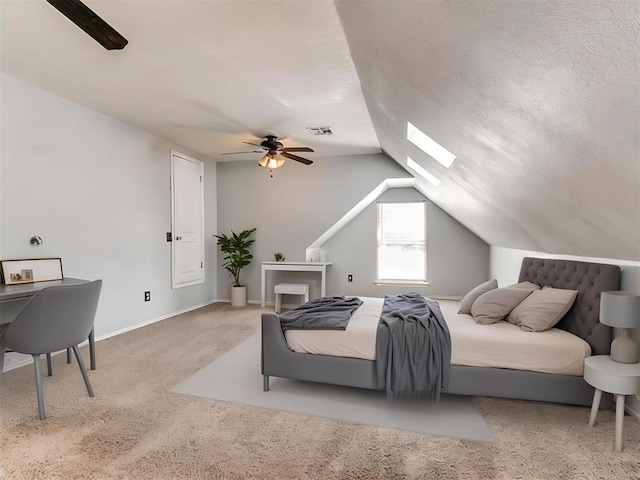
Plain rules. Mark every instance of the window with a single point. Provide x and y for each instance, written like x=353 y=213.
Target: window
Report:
x=402 y=243
x=422 y=172
x=429 y=146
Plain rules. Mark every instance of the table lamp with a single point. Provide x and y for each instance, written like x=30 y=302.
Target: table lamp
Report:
x=622 y=310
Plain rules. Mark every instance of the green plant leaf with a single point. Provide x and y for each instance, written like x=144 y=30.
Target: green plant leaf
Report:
x=236 y=247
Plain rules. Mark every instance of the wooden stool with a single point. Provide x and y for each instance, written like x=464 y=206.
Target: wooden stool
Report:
x=290 y=289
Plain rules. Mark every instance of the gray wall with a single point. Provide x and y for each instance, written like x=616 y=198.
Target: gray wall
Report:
x=97 y=191
x=300 y=203
x=457 y=260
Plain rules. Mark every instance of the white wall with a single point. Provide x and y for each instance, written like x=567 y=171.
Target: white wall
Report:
x=97 y=191
x=505 y=267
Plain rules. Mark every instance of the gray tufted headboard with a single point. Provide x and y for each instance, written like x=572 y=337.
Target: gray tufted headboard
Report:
x=590 y=279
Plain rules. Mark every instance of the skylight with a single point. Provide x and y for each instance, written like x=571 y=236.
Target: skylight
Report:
x=429 y=146
x=422 y=172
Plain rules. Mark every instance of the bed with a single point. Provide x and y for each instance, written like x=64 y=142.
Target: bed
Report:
x=589 y=279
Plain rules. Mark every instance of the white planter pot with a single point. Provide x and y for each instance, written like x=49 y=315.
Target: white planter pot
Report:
x=238 y=296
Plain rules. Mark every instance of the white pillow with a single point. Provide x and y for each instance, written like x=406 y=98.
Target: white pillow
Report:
x=469 y=298
x=494 y=305
x=542 y=309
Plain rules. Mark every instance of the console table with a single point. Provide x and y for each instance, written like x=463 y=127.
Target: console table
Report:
x=294 y=267
x=24 y=291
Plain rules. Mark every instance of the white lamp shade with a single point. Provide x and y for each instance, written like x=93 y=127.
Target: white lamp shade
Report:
x=620 y=309
x=271 y=160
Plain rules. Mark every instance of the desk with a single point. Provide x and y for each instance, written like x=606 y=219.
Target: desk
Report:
x=295 y=267
x=23 y=291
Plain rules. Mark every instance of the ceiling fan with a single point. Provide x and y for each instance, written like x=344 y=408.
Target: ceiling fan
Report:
x=276 y=152
x=91 y=23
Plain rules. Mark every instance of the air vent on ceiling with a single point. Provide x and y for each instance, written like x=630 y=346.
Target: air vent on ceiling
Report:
x=320 y=130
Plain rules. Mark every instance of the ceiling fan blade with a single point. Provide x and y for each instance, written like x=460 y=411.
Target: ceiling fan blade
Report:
x=254 y=144
x=92 y=24
x=297 y=149
x=296 y=158
x=236 y=153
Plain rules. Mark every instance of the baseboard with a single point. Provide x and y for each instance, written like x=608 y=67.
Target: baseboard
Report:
x=28 y=361
x=251 y=302
x=153 y=320
x=258 y=302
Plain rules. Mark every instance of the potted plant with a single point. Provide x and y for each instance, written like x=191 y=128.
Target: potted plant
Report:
x=279 y=257
x=237 y=256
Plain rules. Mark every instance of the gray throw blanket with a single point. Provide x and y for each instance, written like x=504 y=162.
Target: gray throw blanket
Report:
x=326 y=313
x=413 y=348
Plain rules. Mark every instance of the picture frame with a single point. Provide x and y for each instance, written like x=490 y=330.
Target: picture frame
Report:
x=13 y=272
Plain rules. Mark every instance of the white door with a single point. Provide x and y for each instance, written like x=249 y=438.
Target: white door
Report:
x=187 y=220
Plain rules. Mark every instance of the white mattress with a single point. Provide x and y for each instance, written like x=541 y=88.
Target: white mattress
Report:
x=501 y=345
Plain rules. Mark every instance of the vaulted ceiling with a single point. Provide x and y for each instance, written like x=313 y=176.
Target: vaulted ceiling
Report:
x=539 y=100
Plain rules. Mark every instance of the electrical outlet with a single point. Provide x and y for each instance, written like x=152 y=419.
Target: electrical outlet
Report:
x=349 y=278
x=147 y=296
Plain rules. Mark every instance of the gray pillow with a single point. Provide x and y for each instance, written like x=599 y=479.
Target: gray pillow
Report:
x=542 y=309
x=469 y=298
x=527 y=285
x=493 y=306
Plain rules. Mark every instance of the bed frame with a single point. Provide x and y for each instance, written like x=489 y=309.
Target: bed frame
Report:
x=590 y=279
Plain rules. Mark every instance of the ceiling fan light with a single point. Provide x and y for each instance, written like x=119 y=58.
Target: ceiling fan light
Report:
x=271 y=160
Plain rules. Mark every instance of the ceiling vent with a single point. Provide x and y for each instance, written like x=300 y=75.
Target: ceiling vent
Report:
x=320 y=130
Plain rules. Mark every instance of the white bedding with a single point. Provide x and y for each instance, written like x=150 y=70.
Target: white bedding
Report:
x=501 y=345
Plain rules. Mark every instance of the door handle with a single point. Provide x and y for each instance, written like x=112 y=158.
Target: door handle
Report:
x=178 y=238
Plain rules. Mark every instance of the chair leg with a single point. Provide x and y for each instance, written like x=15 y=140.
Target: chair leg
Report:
x=36 y=366
x=85 y=377
x=92 y=349
x=1 y=358
x=49 y=370
x=68 y=355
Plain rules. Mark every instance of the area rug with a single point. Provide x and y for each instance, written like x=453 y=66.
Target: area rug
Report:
x=235 y=377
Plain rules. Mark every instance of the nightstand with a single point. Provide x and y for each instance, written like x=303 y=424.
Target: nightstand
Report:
x=620 y=379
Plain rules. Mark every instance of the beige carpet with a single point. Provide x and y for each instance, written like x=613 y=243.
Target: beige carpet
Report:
x=135 y=428
x=235 y=377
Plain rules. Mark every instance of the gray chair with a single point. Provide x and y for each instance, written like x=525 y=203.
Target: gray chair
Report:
x=55 y=318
